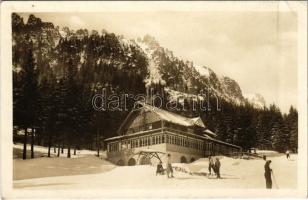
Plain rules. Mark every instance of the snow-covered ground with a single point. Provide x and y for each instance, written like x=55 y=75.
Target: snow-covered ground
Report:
x=84 y=162
x=41 y=151
x=236 y=173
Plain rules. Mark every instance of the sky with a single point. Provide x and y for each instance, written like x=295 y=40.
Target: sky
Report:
x=257 y=49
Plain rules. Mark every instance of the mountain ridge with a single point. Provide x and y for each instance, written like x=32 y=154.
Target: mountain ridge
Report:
x=162 y=66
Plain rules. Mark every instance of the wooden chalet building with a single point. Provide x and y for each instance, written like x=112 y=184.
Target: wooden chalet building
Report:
x=148 y=127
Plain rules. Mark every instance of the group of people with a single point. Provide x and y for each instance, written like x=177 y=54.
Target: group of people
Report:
x=169 y=170
x=215 y=166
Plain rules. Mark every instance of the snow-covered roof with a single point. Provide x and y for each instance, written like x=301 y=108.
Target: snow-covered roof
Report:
x=207 y=131
x=175 y=118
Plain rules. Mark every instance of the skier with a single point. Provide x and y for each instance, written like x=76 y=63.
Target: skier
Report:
x=217 y=167
x=169 y=167
x=160 y=169
x=211 y=165
x=288 y=154
x=268 y=174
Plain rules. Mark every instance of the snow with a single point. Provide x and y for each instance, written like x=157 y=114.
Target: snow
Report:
x=63 y=34
x=266 y=152
x=175 y=118
x=204 y=71
x=210 y=132
x=236 y=174
x=84 y=162
x=154 y=72
x=180 y=96
x=82 y=57
x=41 y=151
x=255 y=99
x=126 y=42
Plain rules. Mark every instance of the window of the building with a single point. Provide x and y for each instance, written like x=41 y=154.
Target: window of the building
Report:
x=150 y=126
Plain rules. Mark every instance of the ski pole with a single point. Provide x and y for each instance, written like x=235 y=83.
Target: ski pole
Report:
x=275 y=180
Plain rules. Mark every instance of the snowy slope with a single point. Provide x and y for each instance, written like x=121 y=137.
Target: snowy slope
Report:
x=236 y=174
x=154 y=73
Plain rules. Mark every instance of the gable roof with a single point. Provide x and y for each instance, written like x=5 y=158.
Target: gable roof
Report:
x=167 y=116
x=174 y=118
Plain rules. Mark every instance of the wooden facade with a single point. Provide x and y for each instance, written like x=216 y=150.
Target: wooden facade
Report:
x=153 y=128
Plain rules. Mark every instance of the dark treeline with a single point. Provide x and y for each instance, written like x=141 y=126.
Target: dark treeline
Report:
x=57 y=72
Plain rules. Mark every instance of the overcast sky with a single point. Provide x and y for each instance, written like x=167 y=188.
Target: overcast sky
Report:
x=257 y=49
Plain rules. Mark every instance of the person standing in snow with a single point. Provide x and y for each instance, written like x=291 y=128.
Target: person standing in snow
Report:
x=217 y=167
x=169 y=167
x=211 y=165
x=160 y=169
x=288 y=154
x=268 y=174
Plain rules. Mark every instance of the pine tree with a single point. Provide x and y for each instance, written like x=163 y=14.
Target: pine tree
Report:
x=71 y=104
x=60 y=109
x=29 y=98
x=47 y=114
x=292 y=123
x=278 y=132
